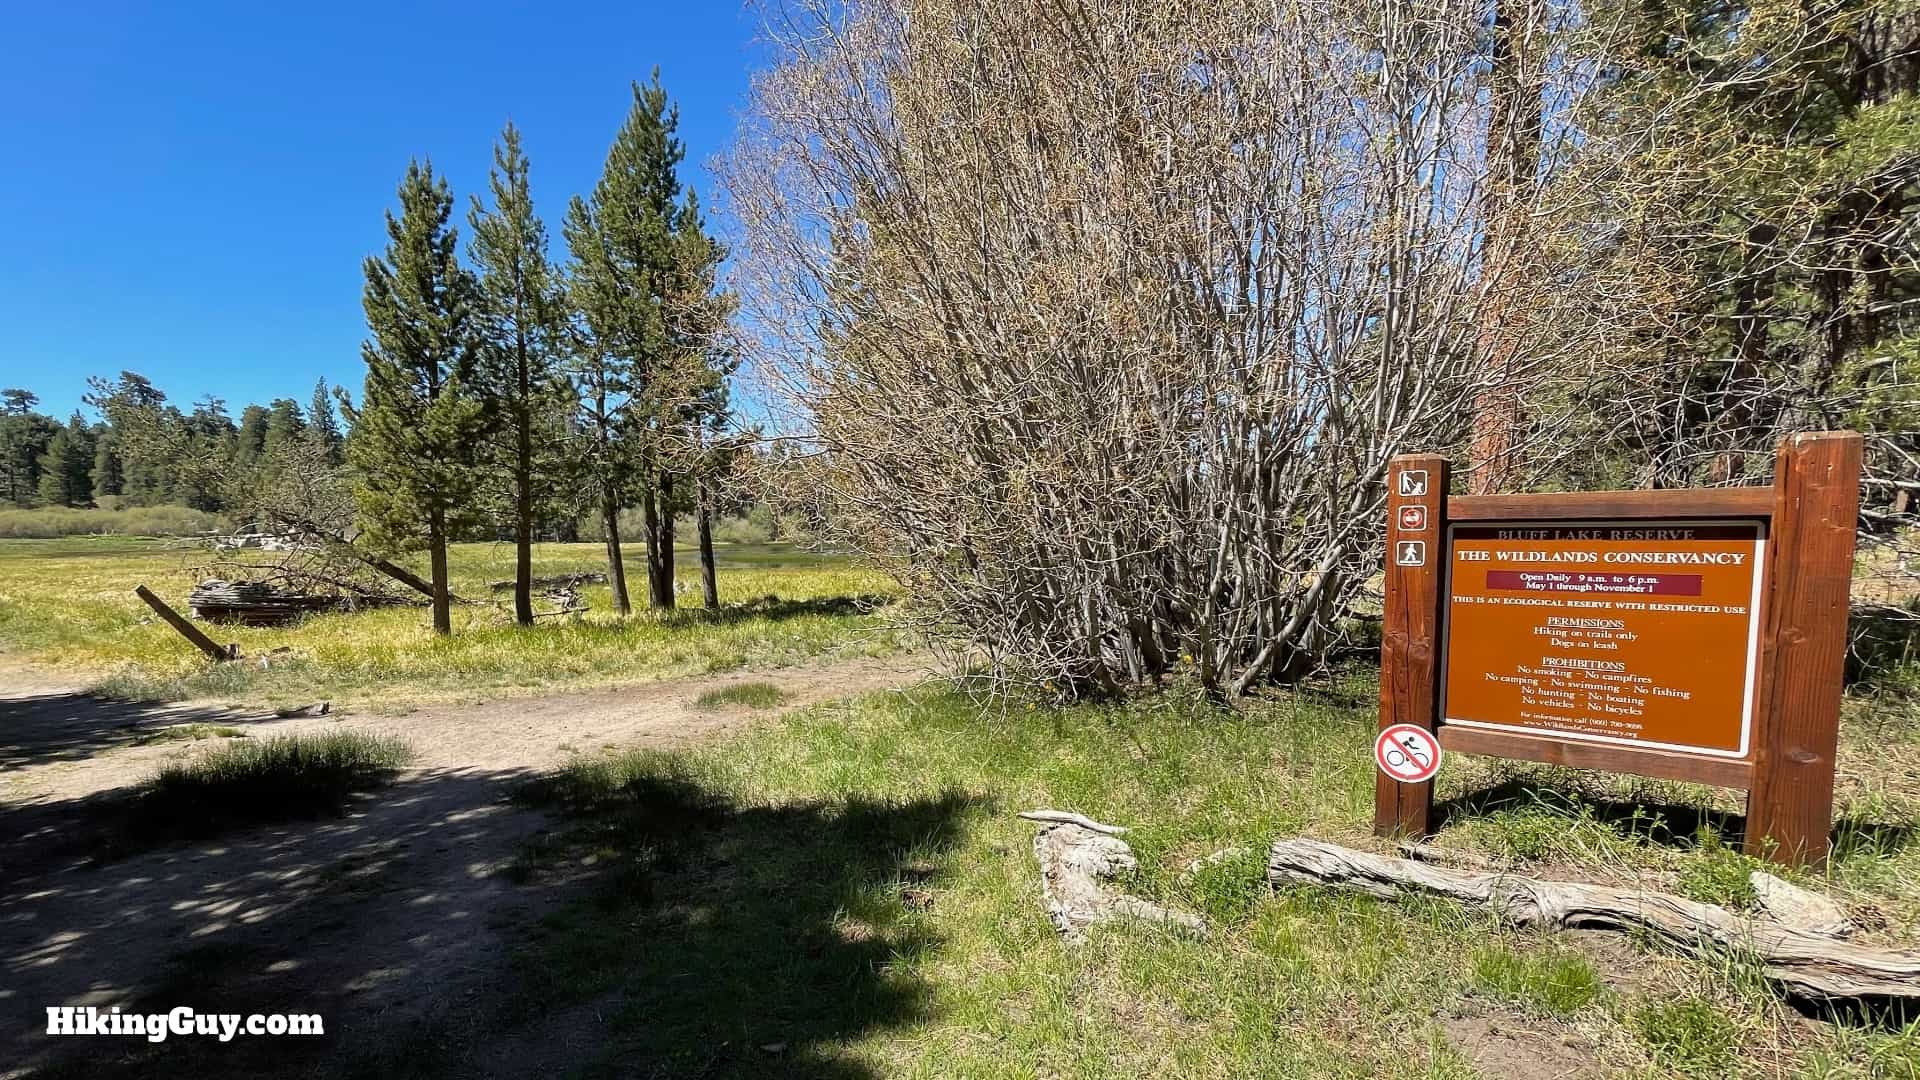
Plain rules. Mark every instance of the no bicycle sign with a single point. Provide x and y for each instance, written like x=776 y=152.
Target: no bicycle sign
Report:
x=1407 y=753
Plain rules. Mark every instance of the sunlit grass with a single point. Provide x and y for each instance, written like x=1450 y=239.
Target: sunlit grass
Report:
x=273 y=777
x=752 y=695
x=872 y=849
x=70 y=605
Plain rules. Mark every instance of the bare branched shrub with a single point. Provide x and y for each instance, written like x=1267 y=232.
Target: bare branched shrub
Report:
x=1102 y=319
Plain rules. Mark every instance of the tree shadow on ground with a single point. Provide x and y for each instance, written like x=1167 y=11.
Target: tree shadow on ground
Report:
x=379 y=920
x=1659 y=823
x=124 y=822
x=727 y=940
x=1664 y=824
x=441 y=930
x=38 y=729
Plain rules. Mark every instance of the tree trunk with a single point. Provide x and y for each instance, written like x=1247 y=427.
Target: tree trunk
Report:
x=1513 y=152
x=1733 y=412
x=616 y=570
x=708 y=577
x=523 y=551
x=659 y=511
x=437 y=548
x=523 y=492
x=666 y=538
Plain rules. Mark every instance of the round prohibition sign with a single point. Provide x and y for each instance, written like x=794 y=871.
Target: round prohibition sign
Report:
x=1407 y=753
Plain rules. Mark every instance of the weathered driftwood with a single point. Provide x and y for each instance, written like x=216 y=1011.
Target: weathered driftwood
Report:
x=1076 y=856
x=1785 y=902
x=1062 y=817
x=1814 y=966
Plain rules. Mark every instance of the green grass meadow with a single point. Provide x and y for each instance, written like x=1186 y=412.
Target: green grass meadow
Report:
x=68 y=604
x=845 y=891
x=856 y=892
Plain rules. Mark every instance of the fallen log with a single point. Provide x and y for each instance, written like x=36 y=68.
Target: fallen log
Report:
x=585 y=577
x=1076 y=856
x=254 y=603
x=205 y=644
x=1811 y=965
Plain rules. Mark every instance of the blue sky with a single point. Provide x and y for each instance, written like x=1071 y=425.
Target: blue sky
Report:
x=190 y=189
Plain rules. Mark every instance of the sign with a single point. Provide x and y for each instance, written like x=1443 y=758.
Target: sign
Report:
x=1407 y=753
x=1633 y=633
x=1697 y=635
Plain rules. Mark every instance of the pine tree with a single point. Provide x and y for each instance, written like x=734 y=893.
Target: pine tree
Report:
x=201 y=466
x=24 y=436
x=623 y=249
x=285 y=423
x=250 y=445
x=415 y=433
x=149 y=437
x=1779 y=203
x=322 y=426
x=66 y=468
x=109 y=477
x=520 y=307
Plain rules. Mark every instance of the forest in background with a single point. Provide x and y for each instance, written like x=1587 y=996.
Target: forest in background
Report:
x=1096 y=326
x=507 y=395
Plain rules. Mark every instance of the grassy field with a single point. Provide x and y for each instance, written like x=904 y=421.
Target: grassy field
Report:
x=859 y=899
x=69 y=605
x=845 y=891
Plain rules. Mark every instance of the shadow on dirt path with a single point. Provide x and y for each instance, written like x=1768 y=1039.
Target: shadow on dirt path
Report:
x=393 y=921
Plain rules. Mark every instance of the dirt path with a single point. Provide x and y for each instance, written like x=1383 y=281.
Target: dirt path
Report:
x=390 y=915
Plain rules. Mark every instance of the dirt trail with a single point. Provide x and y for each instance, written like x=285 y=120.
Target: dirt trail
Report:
x=390 y=914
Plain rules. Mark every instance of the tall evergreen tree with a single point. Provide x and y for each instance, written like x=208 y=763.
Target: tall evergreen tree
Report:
x=202 y=468
x=520 y=307
x=415 y=433
x=109 y=476
x=250 y=444
x=66 y=468
x=323 y=427
x=624 y=262
x=24 y=435
x=602 y=387
x=150 y=437
x=1779 y=205
x=285 y=423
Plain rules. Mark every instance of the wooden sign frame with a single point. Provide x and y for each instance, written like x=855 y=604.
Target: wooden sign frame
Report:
x=1787 y=771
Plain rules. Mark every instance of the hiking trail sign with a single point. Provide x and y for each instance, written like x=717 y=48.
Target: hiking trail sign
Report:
x=1692 y=635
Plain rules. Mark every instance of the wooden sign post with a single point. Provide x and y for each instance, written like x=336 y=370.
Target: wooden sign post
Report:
x=1692 y=635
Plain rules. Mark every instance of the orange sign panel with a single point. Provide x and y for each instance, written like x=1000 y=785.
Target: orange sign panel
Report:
x=1643 y=633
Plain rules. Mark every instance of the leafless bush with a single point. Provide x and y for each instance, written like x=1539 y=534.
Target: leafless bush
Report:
x=1102 y=319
